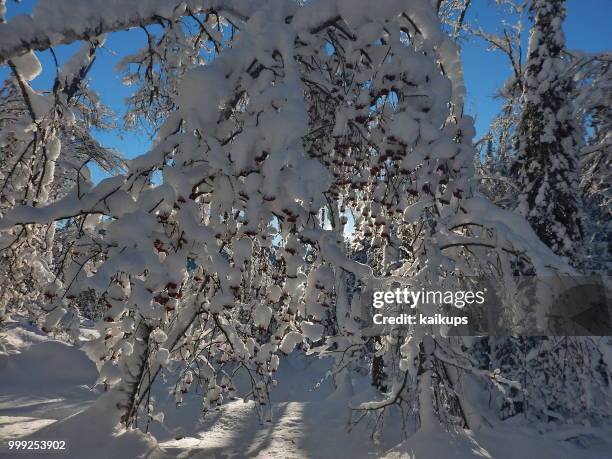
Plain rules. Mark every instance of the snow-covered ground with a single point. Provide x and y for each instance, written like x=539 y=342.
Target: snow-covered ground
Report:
x=43 y=381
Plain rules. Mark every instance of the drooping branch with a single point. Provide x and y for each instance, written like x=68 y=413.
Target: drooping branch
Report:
x=47 y=26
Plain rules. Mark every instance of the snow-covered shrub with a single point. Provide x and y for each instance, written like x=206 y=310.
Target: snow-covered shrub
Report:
x=223 y=248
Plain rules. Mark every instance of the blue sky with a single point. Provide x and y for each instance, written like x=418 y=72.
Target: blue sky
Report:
x=586 y=27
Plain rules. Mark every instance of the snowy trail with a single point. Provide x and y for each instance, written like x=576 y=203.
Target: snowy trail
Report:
x=309 y=420
x=297 y=430
x=235 y=432
x=314 y=430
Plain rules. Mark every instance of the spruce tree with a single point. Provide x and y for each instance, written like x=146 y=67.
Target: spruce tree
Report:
x=548 y=136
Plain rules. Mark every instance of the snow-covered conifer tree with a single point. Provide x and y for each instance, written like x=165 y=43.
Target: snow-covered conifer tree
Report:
x=548 y=138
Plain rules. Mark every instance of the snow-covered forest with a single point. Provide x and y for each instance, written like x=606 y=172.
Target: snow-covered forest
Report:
x=212 y=295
